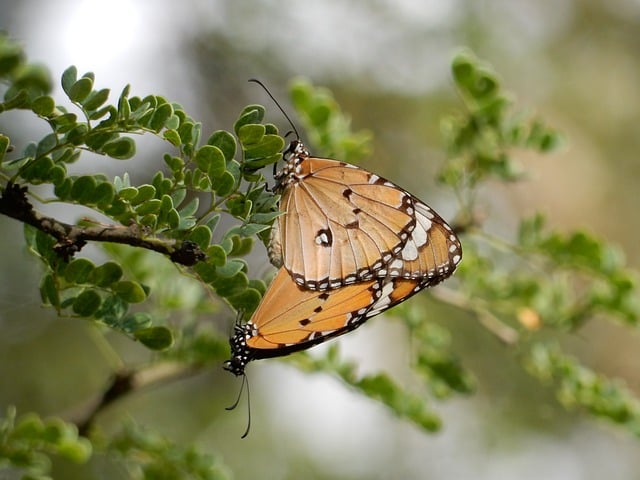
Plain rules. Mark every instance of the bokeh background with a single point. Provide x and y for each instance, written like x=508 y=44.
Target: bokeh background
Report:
x=574 y=62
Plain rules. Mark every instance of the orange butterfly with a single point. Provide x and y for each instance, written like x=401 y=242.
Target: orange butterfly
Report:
x=342 y=224
x=292 y=316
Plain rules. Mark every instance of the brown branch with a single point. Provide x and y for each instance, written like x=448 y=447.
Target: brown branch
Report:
x=127 y=382
x=71 y=238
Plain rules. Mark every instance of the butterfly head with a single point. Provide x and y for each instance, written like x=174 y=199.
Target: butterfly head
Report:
x=293 y=156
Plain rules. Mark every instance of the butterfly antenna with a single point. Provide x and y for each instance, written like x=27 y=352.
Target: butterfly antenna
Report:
x=264 y=87
x=246 y=432
x=245 y=381
x=235 y=404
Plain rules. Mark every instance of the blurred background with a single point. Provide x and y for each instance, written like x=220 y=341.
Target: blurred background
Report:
x=574 y=62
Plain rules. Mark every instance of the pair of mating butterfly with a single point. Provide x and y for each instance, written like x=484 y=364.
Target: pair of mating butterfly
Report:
x=349 y=245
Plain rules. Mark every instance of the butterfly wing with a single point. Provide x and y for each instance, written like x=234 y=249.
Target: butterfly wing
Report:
x=343 y=224
x=432 y=251
x=340 y=224
x=291 y=318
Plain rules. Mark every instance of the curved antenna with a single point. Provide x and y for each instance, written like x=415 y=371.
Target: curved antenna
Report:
x=245 y=381
x=255 y=80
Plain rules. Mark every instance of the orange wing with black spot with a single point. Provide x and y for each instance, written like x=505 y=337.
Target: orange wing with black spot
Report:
x=342 y=224
x=291 y=318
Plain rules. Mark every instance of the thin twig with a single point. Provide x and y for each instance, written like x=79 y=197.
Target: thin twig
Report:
x=505 y=333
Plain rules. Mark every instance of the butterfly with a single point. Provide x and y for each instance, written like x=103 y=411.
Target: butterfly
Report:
x=292 y=317
x=342 y=224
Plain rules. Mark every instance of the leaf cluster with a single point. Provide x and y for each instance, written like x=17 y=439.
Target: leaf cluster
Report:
x=28 y=442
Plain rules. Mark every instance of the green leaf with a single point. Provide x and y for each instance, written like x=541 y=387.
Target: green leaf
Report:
x=247 y=301
x=96 y=99
x=224 y=185
x=225 y=142
x=150 y=206
x=136 y=321
x=129 y=291
x=176 y=164
x=46 y=144
x=173 y=137
x=269 y=148
x=87 y=303
x=210 y=159
x=200 y=235
x=39 y=170
x=241 y=246
x=80 y=90
x=121 y=148
x=173 y=218
x=113 y=308
x=257 y=163
x=63 y=190
x=251 y=134
x=145 y=193
x=231 y=286
x=231 y=268
x=265 y=218
x=172 y=123
x=124 y=109
x=251 y=114
x=128 y=193
x=186 y=131
x=69 y=77
x=160 y=116
x=190 y=208
x=250 y=229
x=104 y=194
x=155 y=338
x=65 y=122
x=96 y=139
x=77 y=135
x=79 y=270
x=49 y=291
x=212 y=223
x=106 y=274
x=83 y=189
x=43 y=105
x=216 y=255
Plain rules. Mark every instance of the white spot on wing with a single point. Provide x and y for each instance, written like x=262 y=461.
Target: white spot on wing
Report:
x=396 y=264
x=410 y=251
x=384 y=301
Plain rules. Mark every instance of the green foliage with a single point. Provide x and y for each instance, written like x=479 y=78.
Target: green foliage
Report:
x=165 y=211
x=152 y=457
x=481 y=139
x=27 y=443
x=580 y=387
x=327 y=126
x=546 y=282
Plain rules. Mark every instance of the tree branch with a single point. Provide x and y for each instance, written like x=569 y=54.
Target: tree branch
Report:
x=71 y=238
